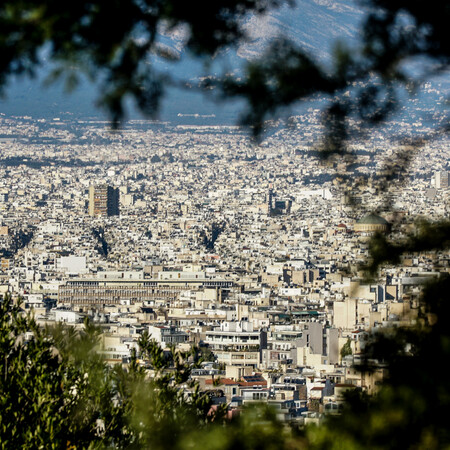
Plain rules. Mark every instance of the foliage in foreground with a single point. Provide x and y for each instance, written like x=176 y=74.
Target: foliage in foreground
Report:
x=57 y=392
x=410 y=410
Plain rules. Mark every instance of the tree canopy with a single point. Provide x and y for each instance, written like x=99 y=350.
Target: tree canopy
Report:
x=55 y=391
x=117 y=43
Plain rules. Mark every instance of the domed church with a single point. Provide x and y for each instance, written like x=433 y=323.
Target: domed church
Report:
x=372 y=223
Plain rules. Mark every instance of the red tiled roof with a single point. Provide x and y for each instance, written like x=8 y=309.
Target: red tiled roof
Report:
x=230 y=382
x=226 y=381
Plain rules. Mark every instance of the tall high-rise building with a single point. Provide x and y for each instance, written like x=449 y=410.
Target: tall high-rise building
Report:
x=269 y=199
x=441 y=179
x=103 y=200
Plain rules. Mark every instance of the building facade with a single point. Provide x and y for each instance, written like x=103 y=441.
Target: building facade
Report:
x=103 y=200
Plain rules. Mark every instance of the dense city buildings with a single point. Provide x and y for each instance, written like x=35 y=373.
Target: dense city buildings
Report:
x=253 y=253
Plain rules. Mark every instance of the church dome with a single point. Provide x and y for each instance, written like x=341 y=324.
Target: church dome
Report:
x=371 y=224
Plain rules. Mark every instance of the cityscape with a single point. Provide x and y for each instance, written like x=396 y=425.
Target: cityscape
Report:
x=200 y=237
x=224 y=225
